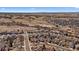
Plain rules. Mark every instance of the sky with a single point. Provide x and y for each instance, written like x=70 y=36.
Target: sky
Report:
x=39 y=3
x=38 y=9
x=27 y=6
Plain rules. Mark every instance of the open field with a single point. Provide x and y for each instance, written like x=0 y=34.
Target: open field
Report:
x=39 y=32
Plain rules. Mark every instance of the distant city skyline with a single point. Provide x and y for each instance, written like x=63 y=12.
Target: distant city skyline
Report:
x=38 y=9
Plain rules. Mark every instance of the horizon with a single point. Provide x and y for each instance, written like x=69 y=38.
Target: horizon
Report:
x=38 y=9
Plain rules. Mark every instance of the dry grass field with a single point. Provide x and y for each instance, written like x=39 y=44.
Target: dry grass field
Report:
x=39 y=32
